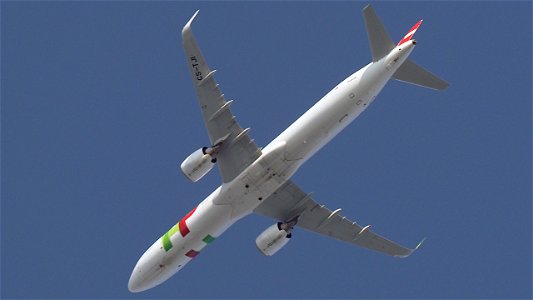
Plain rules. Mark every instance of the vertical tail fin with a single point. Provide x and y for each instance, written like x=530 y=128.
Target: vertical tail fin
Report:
x=411 y=33
x=381 y=44
x=378 y=38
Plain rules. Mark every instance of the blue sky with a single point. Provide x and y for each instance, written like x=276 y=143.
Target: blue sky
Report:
x=98 y=111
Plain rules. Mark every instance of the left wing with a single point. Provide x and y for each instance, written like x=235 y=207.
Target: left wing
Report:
x=237 y=149
x=290 y=202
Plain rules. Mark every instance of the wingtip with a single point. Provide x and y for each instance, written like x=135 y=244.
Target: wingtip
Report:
x=411 y=251
x=420 y=244
x=194 y=16
x=187 y=28
x=368 y=9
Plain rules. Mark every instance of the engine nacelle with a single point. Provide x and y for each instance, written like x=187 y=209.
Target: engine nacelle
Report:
x=272 y=239
x=197 y=164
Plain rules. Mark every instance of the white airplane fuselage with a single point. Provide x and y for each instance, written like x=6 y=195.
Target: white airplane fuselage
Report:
x=280 y=159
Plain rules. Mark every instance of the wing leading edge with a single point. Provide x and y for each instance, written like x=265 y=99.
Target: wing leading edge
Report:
x=237 y=149
x=289 y=202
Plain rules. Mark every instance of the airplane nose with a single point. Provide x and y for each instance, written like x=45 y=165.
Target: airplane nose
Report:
x=147 y=277
x=135 y=284
x=148 y=272
x=138 y=279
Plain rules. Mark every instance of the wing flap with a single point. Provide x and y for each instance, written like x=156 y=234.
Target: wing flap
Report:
x=289 y=201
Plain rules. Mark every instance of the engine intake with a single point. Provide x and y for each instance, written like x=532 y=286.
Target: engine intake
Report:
x=273 y=239
x=199 y=163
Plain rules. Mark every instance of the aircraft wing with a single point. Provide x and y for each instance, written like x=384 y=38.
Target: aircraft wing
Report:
x=237 y=150
x=289 y=202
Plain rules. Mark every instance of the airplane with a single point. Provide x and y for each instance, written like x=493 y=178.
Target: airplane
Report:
x=256 y=180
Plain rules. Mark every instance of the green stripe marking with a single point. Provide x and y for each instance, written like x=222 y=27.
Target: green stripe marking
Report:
x=167 y=244
x=208 y=239
x=173 y=230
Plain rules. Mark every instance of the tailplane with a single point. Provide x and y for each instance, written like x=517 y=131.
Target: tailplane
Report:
x=381 y=45
x=410 y=72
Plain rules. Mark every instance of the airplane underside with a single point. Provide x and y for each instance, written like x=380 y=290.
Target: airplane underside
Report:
x=256 y=180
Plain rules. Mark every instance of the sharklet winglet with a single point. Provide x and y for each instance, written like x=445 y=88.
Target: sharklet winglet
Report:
x=419 y=244
x=412 y=250
x=187 y=28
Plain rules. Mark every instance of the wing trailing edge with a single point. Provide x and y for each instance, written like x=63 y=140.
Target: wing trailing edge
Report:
x=289 y=202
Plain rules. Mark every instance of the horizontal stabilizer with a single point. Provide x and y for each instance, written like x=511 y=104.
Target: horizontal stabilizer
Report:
x=378 y=38
x=412 y=73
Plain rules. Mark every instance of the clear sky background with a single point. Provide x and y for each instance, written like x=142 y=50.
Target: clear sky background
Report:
x=98 y=111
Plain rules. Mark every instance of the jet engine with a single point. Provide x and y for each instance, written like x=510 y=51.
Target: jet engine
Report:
x=273 y=238
x=199 y=163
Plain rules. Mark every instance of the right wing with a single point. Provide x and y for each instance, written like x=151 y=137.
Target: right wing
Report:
x=290 y=202
x=237 y=150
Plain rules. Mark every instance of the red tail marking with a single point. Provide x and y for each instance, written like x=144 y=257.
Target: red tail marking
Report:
x=410 y=33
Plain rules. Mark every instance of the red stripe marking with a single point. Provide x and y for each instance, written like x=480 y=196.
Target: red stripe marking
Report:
x=192 y=253
x=184 y=229
x=410 y=33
